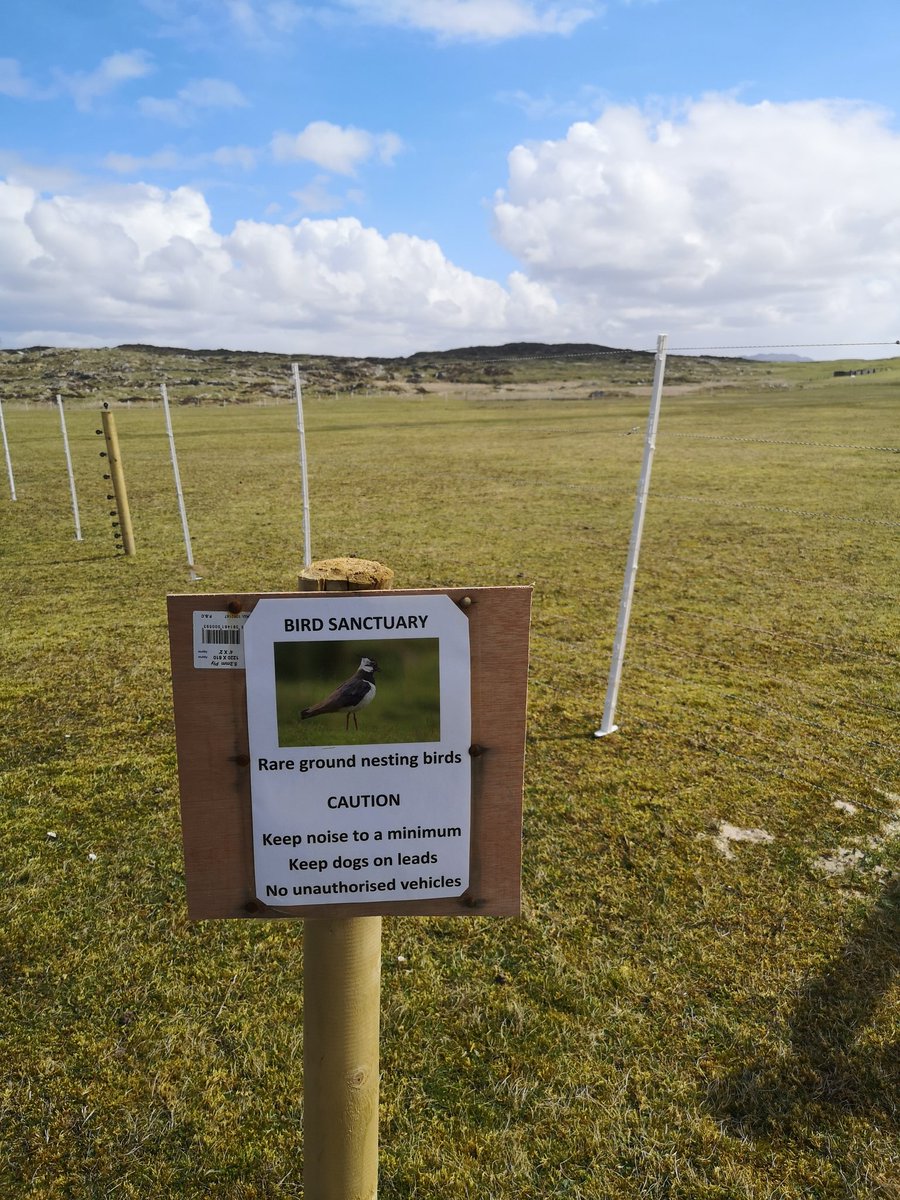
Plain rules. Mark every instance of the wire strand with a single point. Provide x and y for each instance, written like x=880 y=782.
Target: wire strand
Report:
x=798 y=512
x=790 y=684
x=875 y=655
x=771 y=710
x=721 y=437
x=782 y=578
x=742 y=732
x=744 y=759
x=784 y=346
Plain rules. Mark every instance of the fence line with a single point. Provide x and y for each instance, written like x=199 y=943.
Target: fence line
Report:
x=745 y=760
x=786 y=346
x=874 y=655
x=772 y=710
x=799 y=512
x=821 y=760
x=605 y=352
x=781 y=576
x=731 y=665
x=721 y=437
x=702 y=740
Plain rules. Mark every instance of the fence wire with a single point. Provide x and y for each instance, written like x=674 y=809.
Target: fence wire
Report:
x=808 y=514
x=792 y=685
x=838 y=733
x=761 y=441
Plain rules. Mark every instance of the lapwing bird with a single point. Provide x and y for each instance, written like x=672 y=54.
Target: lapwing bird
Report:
x=355 y=693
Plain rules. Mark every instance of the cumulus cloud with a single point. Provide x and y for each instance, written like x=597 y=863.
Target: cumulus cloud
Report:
x=115 y=70
x=477 y=20
x=778 y=221
x=721 y=223
x=334 y=147
x=135 y=262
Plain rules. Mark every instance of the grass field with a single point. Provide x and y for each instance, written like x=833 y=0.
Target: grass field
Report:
x=700 y=1001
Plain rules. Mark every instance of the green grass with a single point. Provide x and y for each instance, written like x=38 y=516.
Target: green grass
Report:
x=663 y=1022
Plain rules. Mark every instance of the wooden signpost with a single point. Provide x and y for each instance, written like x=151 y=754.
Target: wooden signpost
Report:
x=345 y=755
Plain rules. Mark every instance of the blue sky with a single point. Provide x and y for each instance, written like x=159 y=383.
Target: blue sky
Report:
x=382 y=176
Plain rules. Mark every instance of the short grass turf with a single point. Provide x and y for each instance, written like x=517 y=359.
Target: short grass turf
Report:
x=677 y=1014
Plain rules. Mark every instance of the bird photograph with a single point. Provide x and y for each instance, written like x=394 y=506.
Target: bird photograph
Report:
x=334 y=693
x=348 y=697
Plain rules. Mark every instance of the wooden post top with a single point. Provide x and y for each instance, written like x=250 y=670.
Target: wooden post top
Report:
x=345 y=575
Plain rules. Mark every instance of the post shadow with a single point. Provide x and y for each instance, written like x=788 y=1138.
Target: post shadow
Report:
x=825 y=1069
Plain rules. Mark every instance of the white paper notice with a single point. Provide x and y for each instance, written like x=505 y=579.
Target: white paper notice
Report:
x=359 y=716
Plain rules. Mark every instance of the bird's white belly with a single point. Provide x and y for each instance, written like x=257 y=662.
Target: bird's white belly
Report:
x=367 y=698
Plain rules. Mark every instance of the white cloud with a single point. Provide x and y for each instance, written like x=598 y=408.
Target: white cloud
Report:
x=212 y=93
x=34 y=175
x=772 y=221
x=258 y=23
x=720 y=224
x=316 y=197
x=263 y=22
x=167 y=159
x=242 y=13
x=113 y=72
x=233 y=156
x=170 y=159
x=13 y=82
x=587 y=101
x=285 y=15
x=135 y=263
x=335 y=148
x=477 y=20
x=199 y=94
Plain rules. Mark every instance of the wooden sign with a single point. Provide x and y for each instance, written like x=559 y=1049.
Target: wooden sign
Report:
x=351 y=754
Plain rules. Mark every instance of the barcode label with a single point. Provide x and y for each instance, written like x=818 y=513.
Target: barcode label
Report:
x=222 y=637
x=219 y=640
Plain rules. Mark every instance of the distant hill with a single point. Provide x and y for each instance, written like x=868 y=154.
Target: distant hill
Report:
x=525 y=350
x=776 y=358
x=516 y=350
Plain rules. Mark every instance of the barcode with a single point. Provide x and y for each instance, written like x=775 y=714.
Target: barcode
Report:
x=220 y=637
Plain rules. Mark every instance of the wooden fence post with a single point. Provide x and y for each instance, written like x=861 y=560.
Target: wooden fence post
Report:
x=117 y=477
x=341 y=1003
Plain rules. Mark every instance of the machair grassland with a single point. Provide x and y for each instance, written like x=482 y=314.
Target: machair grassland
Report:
x=700 y=1000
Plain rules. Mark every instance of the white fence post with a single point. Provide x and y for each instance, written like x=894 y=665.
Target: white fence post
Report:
x=304 y=478
x=634 y=548
x=65 y=438
x=179 y=492
x=9 y=466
